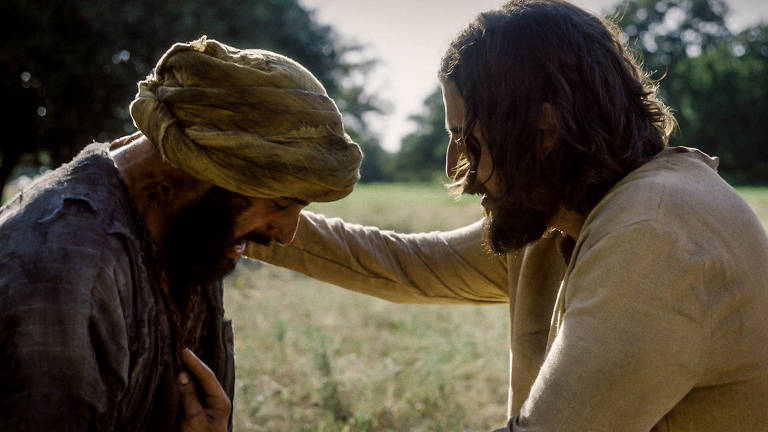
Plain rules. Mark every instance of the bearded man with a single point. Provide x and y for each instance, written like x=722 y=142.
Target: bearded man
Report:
x=102 y=285
x=636 y=278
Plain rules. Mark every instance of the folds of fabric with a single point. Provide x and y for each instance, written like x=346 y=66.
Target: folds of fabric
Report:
x=251 y=121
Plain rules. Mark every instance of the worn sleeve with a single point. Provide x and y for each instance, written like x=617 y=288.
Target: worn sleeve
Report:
x=63 y=350
x=631 y=338
x=436 y=267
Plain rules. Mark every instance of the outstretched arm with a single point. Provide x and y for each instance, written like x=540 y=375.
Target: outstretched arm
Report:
x=436 y=267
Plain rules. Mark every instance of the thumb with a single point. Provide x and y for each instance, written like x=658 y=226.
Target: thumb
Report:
x=188 y=395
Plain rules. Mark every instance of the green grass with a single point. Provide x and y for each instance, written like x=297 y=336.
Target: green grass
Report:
x=404 y=207
x=757 y=197
x=313 y=357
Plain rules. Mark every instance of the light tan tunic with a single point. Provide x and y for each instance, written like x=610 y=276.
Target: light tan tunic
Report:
x=659 y=322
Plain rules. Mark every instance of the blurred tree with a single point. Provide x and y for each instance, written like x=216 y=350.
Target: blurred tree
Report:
x=422 y=153
x=69 y=66
x=721 y=99
x=377 y=162
x=715 y=82
x=356 y=105
x=667 y=31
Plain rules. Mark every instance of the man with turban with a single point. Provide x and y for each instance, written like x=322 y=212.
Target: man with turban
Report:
x=106 y=303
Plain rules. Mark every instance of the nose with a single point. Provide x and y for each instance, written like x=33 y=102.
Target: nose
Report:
x=283 y=228
x=451 y=159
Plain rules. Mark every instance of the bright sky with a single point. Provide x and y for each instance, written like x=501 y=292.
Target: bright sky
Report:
x=410 y=36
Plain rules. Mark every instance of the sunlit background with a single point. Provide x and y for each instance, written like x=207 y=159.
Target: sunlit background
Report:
x=409 y=37
x=311 y=357
x=71 y=70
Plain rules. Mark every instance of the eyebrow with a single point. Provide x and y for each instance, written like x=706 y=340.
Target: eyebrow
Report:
x=298 y=201
x=453 y=130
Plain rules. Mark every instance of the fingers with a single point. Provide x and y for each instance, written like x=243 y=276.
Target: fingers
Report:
x=188 y=395
x=214 y=394
x=125 y=140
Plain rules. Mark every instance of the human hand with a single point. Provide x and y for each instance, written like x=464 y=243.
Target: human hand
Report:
x=213 y=415
x=122 y=141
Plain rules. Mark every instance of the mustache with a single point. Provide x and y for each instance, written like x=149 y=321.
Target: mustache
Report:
x=473 y=187
x=258 y=238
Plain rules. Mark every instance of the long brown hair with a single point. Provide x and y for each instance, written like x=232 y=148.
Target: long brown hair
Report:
x=510 y=62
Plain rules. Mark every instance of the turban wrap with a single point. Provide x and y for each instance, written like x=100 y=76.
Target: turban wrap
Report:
x=250 y=121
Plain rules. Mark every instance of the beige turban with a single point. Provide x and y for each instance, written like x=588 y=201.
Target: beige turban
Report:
x=251 y=121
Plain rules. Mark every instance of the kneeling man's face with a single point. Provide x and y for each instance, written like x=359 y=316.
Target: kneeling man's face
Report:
x=205 y=239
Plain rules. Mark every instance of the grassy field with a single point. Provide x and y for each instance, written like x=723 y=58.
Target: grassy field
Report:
x=313 y=357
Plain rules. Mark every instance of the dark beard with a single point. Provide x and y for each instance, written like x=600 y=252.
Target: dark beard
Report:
x=511 y=226
x=515 y=219
x=193 y=247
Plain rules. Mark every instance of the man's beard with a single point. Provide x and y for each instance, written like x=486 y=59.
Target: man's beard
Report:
x=194 y=247
x=511 y=226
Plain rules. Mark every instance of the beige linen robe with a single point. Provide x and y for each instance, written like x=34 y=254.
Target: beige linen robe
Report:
x=659 y=322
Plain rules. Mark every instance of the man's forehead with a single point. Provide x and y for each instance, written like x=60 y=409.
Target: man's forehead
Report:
x=454 y=108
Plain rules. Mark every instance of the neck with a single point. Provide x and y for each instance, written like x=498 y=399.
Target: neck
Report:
x=158 y=189
x=568 y=222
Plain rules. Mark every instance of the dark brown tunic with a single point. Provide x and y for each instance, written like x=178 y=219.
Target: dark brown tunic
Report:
x=85 y=336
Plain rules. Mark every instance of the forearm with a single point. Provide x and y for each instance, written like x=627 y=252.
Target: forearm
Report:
x=438 y=267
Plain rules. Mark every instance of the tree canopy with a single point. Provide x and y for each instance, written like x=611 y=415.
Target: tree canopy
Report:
x=70 y=67
x=422 y=153
x=70 y=70
x=715 y=82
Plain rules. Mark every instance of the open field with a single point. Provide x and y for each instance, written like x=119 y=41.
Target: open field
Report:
x=757 y=197
x=313 y=357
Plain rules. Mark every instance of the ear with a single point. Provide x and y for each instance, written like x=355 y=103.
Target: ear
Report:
x=548 y=127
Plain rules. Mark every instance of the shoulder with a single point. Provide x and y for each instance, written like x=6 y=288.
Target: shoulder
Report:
x=56 y=228
x=675 y=223
x=61 y=262
x=642 y=231
x=63 y=279
x=60 y=233
x=678 y=193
